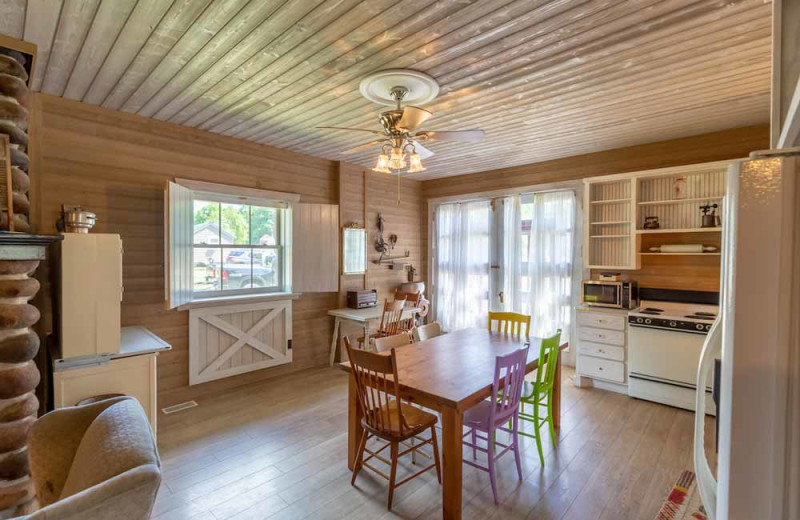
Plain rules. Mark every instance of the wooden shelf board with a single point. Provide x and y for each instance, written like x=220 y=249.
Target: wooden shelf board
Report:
x=623 y=267
x=610 y=201
x=677 y=201
x=680 y=254
x=688 y=230
x=612 y=223
x=609 y=236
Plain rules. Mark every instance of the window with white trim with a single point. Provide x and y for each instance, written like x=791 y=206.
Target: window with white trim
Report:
x=237 y=248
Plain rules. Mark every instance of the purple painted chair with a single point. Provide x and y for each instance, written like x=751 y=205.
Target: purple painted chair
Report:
x=492 y=415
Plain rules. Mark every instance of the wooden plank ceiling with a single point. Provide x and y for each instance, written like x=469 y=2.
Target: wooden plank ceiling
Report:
x=544 y=78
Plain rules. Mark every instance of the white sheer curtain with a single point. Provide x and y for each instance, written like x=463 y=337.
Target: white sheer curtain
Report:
x=462 y=264
x=550 y=263
x=510 y=261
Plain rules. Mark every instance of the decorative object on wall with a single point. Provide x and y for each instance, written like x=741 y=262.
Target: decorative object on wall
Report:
x=710 y=217
x=15 y=71
x=20 y=255
x=384 y=246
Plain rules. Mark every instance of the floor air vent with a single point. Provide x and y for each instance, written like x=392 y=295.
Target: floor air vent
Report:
x=179 y=407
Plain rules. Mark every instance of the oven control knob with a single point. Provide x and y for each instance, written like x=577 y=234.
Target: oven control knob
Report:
x=648 y=321
x=700 y=326
x=639 y=320
x=673 y=324
x=708 y=327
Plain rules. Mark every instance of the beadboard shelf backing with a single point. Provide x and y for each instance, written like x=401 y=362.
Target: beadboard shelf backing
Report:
x=656 y=198
x=610 y=238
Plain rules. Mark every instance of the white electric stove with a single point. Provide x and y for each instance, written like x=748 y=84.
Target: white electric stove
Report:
x=665 y=339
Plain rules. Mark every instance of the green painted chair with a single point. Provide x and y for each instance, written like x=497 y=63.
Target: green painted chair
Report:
x=539 y=393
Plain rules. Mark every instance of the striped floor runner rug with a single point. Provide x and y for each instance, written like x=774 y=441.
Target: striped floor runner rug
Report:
x=683 y=502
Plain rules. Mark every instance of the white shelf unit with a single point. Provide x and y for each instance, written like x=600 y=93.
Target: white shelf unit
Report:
x=610 y=229
x=656 y=198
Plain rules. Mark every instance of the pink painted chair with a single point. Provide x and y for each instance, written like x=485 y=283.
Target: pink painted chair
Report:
x=490 y=416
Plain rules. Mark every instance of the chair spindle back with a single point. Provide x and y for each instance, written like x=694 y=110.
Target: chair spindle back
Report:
x=510 y=371
x=511 y=323
x=389 y=342
x=391 y=320
x=548 y=353
x=376 y=383
x=431 y=330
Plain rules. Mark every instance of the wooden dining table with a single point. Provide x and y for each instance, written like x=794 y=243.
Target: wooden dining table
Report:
x=450 y=374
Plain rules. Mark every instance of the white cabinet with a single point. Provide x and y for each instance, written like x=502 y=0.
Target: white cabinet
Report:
x=134 y=376
x=602 y=347
x=131 y=371
x=91 y=294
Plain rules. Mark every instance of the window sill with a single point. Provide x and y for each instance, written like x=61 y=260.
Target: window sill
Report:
x=238 y=299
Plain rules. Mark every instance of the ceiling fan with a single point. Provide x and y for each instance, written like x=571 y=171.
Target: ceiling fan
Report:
x=401 y=135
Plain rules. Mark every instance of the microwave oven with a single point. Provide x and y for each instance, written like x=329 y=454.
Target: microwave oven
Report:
x=616 y=295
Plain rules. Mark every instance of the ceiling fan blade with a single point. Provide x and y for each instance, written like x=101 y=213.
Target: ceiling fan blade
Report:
x=462 y=136
x=350 y=129
x=412 y=118
x=423 y=152
x=362 y=147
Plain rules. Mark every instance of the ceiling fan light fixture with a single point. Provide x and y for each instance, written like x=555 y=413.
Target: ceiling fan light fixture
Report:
x=397 y=160
x=382 y=166
x=415 y=163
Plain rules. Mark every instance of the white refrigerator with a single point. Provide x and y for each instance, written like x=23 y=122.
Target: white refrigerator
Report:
x=756 y=337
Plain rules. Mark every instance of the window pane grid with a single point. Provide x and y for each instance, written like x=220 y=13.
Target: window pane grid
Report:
x=236 y=249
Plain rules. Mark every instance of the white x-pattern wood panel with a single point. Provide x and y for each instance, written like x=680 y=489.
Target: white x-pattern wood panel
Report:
x=234 y=339
x=544 y=78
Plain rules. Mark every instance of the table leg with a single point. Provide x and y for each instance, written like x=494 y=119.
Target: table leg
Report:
x=354 y=429
x=367 y=345
x=335 y=340
x=557 y=394
x=452 y=429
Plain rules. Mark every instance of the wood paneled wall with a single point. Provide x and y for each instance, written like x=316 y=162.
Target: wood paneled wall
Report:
x=406 y=220
x=116 y=164
x=672 y=273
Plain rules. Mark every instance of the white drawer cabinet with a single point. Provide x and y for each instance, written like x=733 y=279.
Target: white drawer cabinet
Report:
x=601 y=320
x=603 y=369
x=602 y=344
x=610 y=337
x=602 y=351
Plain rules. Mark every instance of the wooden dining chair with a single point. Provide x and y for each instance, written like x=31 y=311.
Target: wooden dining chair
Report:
x=510 y=323
x=391 y=322
x=387 y=343
x=489 y=416
x=431 y=330
x=413 y=300
x=385 y=417
x=539 y=393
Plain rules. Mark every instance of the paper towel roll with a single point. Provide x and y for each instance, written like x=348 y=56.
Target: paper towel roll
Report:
x=682 y=248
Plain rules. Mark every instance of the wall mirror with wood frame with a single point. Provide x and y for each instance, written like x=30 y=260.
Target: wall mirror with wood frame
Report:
x=354 y=250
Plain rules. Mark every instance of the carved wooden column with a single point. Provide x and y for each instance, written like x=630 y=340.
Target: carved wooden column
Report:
x=20 y=255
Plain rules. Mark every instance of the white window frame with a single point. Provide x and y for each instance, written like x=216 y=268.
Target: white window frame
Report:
x=280 y=248
x=179 y=287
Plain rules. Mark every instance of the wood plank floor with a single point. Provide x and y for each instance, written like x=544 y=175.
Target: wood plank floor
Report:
x=277 y=450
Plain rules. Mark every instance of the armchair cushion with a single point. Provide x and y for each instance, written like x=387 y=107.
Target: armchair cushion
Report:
x=118 y=440
x=95 y=461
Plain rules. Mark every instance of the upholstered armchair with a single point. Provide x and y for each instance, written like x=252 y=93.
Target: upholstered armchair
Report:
x=95 y=461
